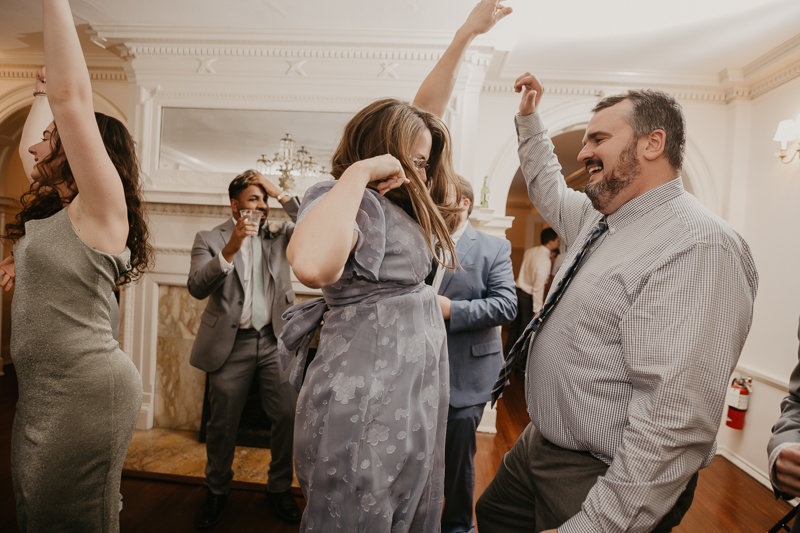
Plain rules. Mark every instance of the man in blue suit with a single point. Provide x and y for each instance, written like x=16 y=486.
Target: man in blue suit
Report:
x=475 y=302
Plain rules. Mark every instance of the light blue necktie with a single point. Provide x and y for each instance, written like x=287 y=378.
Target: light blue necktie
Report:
x=259 y=316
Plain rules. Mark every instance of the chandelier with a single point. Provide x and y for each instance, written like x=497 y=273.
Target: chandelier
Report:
x=289 y=164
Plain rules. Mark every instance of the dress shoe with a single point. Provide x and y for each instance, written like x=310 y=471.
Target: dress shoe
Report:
x=211 y=511
x=285 y=506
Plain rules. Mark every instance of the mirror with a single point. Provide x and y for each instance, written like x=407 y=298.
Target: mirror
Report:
x=232 y=140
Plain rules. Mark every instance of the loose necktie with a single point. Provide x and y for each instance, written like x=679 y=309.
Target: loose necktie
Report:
x=259 y=315
x=522 y=344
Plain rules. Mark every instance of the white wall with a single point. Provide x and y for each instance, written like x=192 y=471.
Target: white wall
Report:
x=771 y=229
x=772 y=222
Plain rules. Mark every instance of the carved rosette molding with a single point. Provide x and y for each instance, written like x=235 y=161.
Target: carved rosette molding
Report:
x=28 y=72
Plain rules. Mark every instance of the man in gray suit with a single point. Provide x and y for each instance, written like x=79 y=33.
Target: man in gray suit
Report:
x=243 y=272
x=784 y=446
x=475 y=302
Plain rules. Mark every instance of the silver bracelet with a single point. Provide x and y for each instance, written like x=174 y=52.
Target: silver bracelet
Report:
x=281 y=195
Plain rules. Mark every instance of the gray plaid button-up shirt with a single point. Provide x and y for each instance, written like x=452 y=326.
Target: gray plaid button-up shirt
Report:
x=633 y=364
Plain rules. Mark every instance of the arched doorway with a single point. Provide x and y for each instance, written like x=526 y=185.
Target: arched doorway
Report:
x=528 y=223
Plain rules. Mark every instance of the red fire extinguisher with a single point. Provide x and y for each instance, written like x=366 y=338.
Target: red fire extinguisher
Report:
x=737 y=399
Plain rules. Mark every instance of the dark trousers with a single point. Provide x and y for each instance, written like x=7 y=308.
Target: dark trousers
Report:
x=540 y=486
x=254 y=353
x=459 y=468
x=525 y=314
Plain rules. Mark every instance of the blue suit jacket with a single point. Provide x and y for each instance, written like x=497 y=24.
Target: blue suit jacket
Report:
x=483 y=296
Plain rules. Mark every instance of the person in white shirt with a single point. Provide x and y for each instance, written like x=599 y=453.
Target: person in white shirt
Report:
x=533 y=276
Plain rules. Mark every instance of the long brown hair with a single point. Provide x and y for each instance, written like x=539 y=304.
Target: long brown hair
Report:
x=391 y=126
x=43 y=200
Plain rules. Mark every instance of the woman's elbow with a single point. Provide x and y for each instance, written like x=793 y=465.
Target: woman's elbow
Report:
x=315 y=276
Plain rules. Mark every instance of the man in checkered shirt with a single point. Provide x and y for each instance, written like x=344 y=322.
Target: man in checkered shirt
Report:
x=627 y=375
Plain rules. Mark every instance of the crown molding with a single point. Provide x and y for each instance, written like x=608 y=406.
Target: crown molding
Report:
x=613 y=77
x=790 y=50
x=137 y=41
x=175 y=96
x=498 y=86
x=774 y=68
x=28 y=72
x=294 y=53
x=115 y=34
x=730 y=85
x=599 y=90
x=786 y=75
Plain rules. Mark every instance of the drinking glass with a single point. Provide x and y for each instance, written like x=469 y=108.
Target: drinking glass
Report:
x=252 y=216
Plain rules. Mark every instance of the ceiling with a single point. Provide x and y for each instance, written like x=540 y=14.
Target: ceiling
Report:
x=686 y=37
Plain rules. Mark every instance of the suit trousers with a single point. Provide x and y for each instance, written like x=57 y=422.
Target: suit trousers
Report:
x=255 y=353
x=459 y=468
x=540 y=486
x=525 y=314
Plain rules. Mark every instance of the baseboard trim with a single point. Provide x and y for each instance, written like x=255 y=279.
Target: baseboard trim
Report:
x=744 y=465
x=749 y=468
x=489 y=421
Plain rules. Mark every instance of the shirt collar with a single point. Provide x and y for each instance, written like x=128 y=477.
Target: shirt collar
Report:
x=456 y=235
x=635 y=208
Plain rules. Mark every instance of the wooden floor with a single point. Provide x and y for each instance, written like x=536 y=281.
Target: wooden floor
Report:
x=727 y=499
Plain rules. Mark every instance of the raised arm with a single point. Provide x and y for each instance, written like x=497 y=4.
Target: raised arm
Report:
x=324 y=238
x=564 y=209
x=38 y=120
x=99 y=212
x=435 y=91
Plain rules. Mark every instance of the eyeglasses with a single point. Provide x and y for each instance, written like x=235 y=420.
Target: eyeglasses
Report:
x=419 y=163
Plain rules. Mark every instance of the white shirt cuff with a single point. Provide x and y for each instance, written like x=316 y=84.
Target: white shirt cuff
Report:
x=226 y=267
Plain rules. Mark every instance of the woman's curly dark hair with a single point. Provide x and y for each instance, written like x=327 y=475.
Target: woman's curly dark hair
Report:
x=43 y=200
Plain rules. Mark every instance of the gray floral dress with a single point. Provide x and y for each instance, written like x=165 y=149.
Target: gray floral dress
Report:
x=372 y=411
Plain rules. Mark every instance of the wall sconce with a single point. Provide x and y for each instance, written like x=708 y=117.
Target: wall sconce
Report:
x=788 y=131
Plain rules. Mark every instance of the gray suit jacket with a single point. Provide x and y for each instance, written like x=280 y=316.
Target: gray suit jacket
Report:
x=483 y=296
x=787 y=428
x=220 y=320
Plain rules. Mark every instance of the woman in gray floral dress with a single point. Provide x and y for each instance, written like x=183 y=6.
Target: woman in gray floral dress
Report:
x=372 y=410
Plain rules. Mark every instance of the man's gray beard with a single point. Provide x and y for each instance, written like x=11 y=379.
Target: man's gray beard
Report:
x=627 y=170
